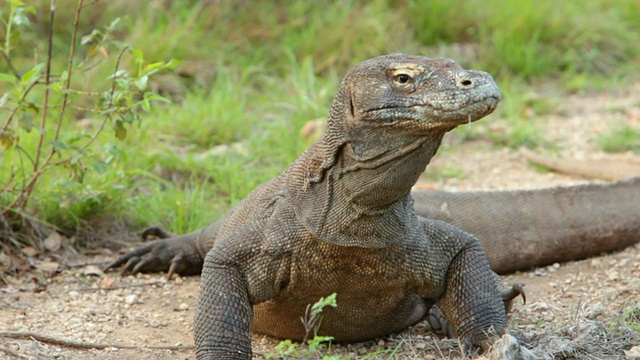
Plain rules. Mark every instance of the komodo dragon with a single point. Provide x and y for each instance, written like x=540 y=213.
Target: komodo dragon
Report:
x=341 y=219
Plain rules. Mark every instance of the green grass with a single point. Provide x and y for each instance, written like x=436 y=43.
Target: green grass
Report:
x=445 y=172
x=534 y=38
x=621 y=138
x=255 y=77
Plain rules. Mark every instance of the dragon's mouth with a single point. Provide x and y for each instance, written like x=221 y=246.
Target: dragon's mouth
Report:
x=428 y=116
x=489 y=102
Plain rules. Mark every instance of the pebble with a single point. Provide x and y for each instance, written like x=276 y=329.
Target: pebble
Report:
x=594 y=310
x=540 y=272
x=553 y=268
x=131 y=299
x=508 y=348
x=623 y=263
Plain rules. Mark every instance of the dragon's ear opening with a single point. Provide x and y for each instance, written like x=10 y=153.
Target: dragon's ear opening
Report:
x=351 y=108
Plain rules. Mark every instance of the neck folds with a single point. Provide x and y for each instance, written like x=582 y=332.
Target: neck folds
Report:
x=363 y=199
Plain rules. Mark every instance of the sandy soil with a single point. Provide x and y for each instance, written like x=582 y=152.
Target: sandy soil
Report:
x=584 y=308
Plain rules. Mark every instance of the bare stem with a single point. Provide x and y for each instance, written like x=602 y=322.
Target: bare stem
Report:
x=65 y=96
x=47 y=77
x=21 y=200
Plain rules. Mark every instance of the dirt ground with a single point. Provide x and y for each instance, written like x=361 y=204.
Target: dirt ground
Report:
x=584 y=309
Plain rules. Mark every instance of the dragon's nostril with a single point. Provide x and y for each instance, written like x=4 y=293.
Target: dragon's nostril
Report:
x=466 y=82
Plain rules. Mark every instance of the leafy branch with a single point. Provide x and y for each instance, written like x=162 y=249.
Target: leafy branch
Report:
x=121 y=104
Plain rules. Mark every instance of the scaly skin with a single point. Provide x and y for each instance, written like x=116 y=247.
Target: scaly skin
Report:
x=341 y=219
x=523 y=229
x=518 y=229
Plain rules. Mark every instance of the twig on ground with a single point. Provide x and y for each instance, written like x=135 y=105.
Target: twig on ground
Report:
x=27 y=335
x=11 y=352
x=87 y=263
x=125 y=286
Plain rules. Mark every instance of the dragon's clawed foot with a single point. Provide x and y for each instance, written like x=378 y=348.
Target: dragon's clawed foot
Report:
x=175 y=257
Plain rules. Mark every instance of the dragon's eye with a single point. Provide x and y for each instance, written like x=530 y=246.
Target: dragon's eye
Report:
x=403 y=78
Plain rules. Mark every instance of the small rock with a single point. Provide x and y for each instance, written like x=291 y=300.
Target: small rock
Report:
x=74 y=294
x=380 y=342
x=540 y=272
x=622 y=263
x=182 y=307
x=131 y=299
x=553 y=268
x=556 y=345
x=540 y=308
x=613 y=276
x=420 y=346
x=594 y=310
x=92 y=270
x=508 y=348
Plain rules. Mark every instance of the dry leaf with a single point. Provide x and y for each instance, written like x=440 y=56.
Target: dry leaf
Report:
x=5 y=262
x=54 y=241
x=106 y=282
x=30 y=251
x=47 y=266
x=633 y=353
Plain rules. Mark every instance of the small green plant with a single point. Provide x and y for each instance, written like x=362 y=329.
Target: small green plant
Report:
x=41 y=141
x=445 y=172
x=539 y=168
x=631 y=318
x=621 y=138
x=312 y=320
x=517 y=133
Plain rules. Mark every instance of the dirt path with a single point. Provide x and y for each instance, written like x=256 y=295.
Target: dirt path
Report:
x=582 y=307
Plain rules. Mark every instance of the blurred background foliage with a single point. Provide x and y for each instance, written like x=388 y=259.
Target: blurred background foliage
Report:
x=248 y=76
